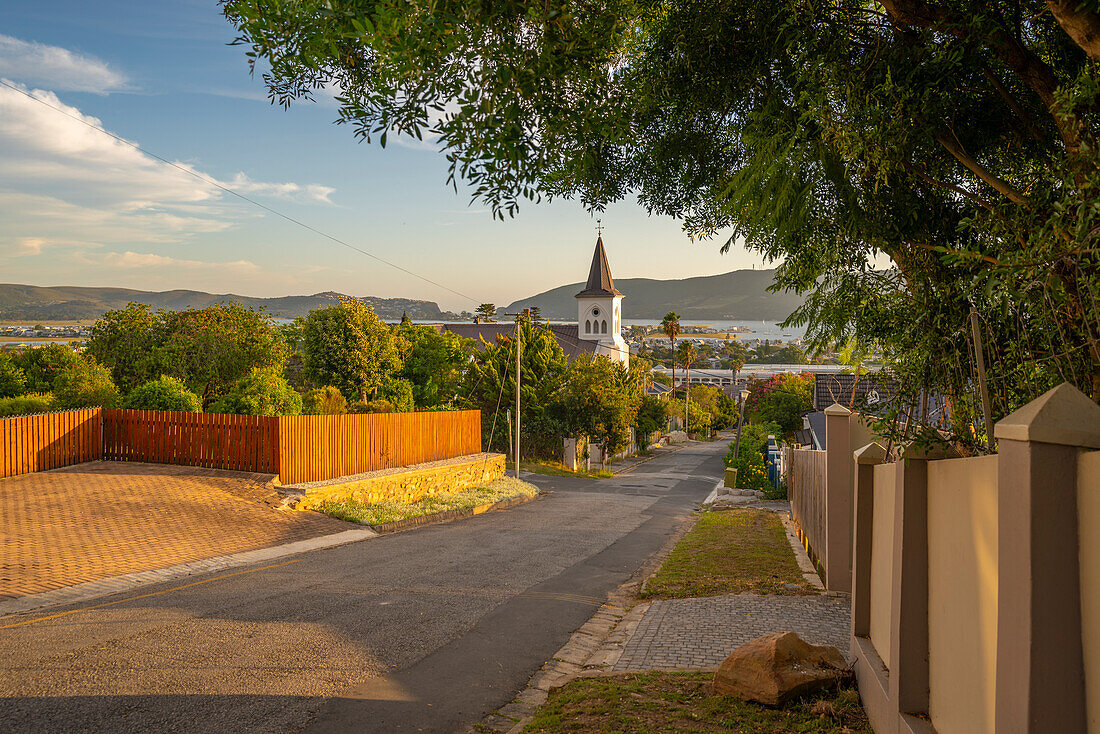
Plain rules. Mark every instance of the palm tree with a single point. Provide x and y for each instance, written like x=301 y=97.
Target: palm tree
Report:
x=686 y=355
x=670 y=325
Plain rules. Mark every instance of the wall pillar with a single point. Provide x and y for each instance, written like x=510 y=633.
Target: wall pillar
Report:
x=1040 y=665
x=837 y=557
x=909 y=596
x=866 y=459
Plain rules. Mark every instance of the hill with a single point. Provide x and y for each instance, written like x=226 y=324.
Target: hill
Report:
x=739 y=295
x=60 y=303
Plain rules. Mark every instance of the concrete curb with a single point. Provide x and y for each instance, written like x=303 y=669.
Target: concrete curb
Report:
x=804 y=563
x=128 y=582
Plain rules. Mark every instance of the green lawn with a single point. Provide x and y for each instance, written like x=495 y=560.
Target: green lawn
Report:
x=683 y=702
x=729 y=552
x=502 y=489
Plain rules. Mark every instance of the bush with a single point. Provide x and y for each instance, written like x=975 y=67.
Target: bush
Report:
x=25 y=404
x=83 y=384
x=374 y=406
x=42 y=365
x=12 y=380
x=166 y=393
x=264 y=391
x=326 y=400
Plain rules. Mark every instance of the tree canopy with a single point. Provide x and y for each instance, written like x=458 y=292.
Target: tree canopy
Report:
x=347 y=346
x=959 y=140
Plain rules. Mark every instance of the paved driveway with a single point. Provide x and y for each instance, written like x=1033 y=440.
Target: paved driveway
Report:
x=106 y=518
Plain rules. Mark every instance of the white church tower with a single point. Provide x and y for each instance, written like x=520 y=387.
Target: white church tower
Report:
x=599 y=310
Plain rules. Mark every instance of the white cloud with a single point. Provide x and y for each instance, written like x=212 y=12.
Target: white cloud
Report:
x=56 y=68
x=310 y=192
x=139 y=260
x=63 y=178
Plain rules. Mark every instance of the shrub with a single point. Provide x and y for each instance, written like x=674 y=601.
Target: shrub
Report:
x=25 y=404
x=374 y=406
x=42 y=365
x=326 y=400
x=83 y=384
x=165 y=393
x=12 y=380
x=264 y=391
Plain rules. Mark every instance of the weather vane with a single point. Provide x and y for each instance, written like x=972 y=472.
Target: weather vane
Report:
x=599 y=228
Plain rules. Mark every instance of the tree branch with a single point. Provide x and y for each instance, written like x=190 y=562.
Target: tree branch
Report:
x=981 y=171
x=952 y=187
x=1080 y=23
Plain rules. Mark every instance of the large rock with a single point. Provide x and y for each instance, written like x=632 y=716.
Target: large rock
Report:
x=776 y=668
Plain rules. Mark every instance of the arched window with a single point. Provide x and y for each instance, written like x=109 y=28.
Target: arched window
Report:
x=603 y=327
x=588 y=327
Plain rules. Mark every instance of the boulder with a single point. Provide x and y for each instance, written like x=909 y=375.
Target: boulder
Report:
x=776 y=668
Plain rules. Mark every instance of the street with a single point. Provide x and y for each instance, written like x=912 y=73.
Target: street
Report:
x=423 y=630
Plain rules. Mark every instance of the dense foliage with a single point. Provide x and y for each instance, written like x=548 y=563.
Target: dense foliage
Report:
x=84 y=384
x=264 y=391
x=781 y=400
x=163 y=393
x=347 y=346
x=208 y=349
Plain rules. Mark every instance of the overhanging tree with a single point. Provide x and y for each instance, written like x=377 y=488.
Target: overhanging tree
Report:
x=957 y=139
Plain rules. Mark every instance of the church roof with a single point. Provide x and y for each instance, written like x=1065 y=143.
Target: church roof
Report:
x=599 y=276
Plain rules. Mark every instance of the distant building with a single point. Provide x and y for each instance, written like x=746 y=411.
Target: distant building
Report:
x=599 y=310
x=599 y=330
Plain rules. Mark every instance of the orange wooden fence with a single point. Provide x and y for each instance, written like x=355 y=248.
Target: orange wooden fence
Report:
x=317 y=447
x=304 y=448
x=33 y=443
x=237 y=442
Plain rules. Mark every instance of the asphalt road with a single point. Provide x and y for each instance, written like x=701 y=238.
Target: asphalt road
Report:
x=424 y=630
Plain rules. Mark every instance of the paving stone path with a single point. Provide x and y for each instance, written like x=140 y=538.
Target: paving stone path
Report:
x=700 y=633
x=104 y=519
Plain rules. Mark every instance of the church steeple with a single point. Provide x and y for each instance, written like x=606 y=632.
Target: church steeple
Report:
x=600 y=282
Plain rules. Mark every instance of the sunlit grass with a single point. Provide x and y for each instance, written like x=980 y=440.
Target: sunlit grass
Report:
x=504 y=488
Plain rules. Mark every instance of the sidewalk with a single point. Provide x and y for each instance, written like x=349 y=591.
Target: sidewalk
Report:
x=679 y=634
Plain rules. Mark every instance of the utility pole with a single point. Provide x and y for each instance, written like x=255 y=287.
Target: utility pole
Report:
x=519 y=320
x=740 y=421
x=979 y=356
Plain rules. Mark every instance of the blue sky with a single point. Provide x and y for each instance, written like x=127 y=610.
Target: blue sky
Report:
x=82 y=209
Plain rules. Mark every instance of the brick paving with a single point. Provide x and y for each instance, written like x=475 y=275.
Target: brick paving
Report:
x=700 y=633
x=103 y=519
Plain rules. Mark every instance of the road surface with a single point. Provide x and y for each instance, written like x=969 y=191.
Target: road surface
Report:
x=424 y=630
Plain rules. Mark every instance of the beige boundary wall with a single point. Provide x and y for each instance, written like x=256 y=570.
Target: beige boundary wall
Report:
x=408 y=484
x=991 y=620
x=820 y=487
x=1088 y=509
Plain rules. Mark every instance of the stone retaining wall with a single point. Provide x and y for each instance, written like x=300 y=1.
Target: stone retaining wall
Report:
x=408 y=484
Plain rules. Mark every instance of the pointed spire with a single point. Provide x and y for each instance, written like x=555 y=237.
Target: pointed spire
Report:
x=599 y=276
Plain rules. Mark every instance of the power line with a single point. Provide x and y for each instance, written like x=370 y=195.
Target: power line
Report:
x=239 y=195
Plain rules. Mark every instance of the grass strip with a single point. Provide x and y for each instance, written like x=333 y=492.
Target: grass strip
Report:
x=730 y=552
x=683 y=702
x=505 y=488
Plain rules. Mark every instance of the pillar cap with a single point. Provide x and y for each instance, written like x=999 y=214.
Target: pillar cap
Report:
x=837 y=409
x=1064 y=416
x=872 y=453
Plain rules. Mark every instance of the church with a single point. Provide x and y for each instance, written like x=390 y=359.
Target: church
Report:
x=599 y=318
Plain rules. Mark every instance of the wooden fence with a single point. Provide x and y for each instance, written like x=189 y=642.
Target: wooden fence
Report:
x=33 y=443
x=297 y=448
x=806 y=492
x=317 y=447
x=236 y=442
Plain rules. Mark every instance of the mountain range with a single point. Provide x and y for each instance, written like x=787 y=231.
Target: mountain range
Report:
x=734 y=296
x=739 y=295
x=60 y=303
